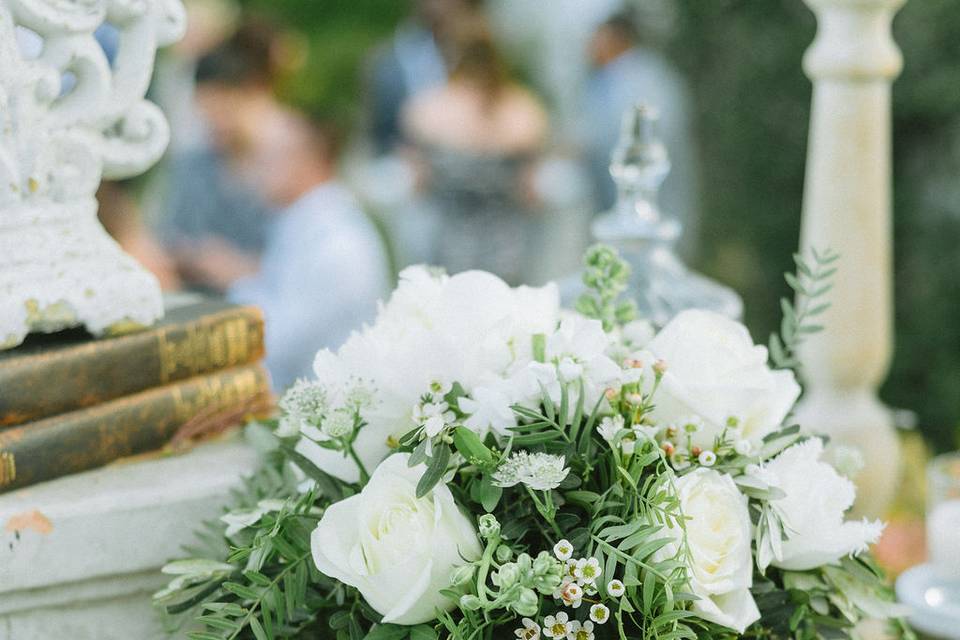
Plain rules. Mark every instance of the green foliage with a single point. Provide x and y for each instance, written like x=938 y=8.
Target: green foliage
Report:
x=751 y=113
x=338 y=37
x=810 y=283
x=606 y=276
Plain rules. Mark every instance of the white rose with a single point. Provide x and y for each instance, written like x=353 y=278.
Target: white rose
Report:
x=397 y=550
x=713 y=370
x=719 y=538
x=813 y=509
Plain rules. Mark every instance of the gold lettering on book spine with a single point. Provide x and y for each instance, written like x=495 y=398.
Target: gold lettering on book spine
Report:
x=218 y=393
x=8 y=468
x=209 y=346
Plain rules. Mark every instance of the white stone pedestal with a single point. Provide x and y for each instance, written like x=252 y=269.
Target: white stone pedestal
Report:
x=86 y=565
x=847 y=208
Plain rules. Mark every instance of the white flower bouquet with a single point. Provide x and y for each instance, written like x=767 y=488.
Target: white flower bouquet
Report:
x=483 y=464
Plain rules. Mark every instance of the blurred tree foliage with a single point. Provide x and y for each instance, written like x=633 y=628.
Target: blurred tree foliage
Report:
x=335 y=38
x=753 y=105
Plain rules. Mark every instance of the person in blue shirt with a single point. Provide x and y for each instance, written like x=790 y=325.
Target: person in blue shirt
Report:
x=625 y=72
x=323 y=268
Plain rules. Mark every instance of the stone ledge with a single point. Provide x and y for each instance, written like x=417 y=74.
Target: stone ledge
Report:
x=129 y=518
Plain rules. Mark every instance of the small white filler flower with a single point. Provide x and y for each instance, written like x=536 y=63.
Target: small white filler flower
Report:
x=581 y=631
x=616 y=588
x=587 y=570
x=529 y=631
x=609 y=427
x=563 y=550
x=557 y=626
x=539 y=471
x=599 y=613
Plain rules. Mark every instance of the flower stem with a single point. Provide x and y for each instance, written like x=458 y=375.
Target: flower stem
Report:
x=547 y=509
x=364 y=476
x=485 y=561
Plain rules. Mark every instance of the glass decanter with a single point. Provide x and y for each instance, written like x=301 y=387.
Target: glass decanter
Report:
x=660 y=283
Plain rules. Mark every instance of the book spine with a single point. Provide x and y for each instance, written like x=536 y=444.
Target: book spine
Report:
x=89 y=438
x=49 y=384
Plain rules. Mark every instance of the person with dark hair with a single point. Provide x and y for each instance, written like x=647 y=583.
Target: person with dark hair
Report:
x=625 y=72
x=209 y=204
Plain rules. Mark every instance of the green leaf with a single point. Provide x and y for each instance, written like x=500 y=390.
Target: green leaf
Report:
x=548 y=404
x=419 y=454
x=340 y=619
x=435 y=470
x=563 y=416
x=241 y=590
x=531 y=439
x=258 y=630
x=649 y=589
x=257 y=578
x=539 y=341
x=423 y=632
x=217 y=622
x=818 y=309
x=490 y=494
x=776 y=350
x=196 y=566
x=203 y=635
x=328 y=486
x=794 y=283
x=453 y=396
x=470 y=446
x=387 y=632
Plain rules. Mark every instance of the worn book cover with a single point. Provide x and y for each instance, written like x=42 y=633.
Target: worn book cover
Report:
x=145 y=421
x=53 y=374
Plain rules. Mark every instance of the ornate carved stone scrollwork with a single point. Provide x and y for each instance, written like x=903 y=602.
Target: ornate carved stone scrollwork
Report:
x=67 y=118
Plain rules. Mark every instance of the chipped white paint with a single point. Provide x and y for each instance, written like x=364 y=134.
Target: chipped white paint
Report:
x=68 y=118
x=847 y=207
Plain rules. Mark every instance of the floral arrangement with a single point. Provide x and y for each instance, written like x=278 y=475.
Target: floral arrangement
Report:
x=481 y=463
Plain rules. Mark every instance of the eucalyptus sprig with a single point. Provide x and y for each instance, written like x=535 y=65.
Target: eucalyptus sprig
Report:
x=811 y=282
x=606 y=276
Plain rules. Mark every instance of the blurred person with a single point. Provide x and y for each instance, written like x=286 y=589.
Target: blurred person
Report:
x=410 y=63
x=626 y=72
x=211 y=204
x=324 y=267
x=475 y=140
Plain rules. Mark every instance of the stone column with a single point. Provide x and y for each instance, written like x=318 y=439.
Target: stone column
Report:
x=847 y=207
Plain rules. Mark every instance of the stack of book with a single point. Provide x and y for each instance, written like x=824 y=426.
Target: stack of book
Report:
x=69 y=403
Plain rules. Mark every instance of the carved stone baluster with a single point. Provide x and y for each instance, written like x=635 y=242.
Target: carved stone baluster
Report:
x=847 y=208
x=58 y=266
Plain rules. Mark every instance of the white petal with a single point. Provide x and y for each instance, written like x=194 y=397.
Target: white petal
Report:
x=330 y=541
x=736 y=610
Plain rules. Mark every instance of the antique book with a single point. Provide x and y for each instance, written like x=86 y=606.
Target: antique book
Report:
x=52 y=374
x=142 y=422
